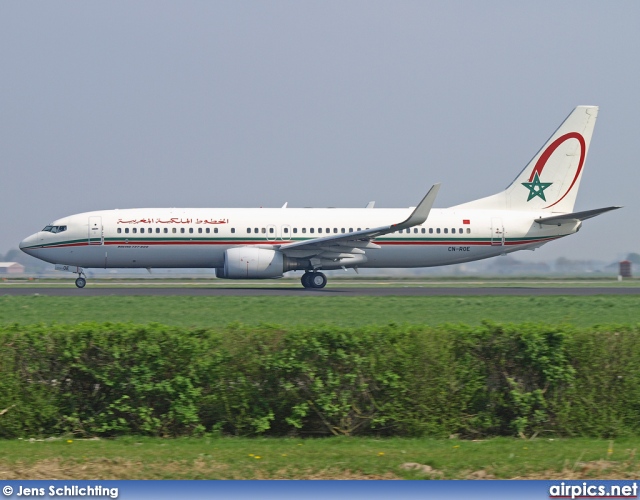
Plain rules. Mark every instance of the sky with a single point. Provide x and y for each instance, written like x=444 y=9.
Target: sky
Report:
x=125 y=104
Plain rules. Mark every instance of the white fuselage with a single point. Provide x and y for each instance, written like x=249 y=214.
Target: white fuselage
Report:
x=199 y=237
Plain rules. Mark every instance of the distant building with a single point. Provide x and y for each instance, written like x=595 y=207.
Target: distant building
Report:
x=11 y=268
x=625 y=269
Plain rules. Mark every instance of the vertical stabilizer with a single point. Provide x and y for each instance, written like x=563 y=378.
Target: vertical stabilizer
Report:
x=551 y=179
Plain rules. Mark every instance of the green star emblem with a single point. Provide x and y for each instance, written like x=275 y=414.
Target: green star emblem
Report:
x=536 y=188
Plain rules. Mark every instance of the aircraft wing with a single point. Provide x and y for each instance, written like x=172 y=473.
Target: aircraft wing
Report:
x=355 y=241
x=573 y=217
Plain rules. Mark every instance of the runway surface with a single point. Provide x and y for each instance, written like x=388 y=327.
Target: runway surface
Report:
x=378 y=291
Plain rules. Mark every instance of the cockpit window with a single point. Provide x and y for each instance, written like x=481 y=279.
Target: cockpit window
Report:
x=55 y=229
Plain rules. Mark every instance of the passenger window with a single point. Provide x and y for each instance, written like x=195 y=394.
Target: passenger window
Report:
x=446 y=230
x=342 y=230
x=207 y=230
x=157 y=230
x=351 y=230
x=468 y=230
x=304 y=229
x=311 y=230
x=134 y=230
x=215 y=229
x=270 y=230
x=438 y=230
x=264 y=231
x=319 y=230
x=126 y=230
x=460 y=231
x=199 y=230
x=233 y=230
x=166 y=230
x=285 y=230
x=141 y=230
x=248 y=230
x=335 y=229
x=173 y=230
x=149 y=230
x=430 y=230
x=327 y=230
x=182 y=230
x=191 y=230
x=415 y=230
x=359 y=229
x=295 y=230
x=423 y=230
x=453 y=230
x=119 y=230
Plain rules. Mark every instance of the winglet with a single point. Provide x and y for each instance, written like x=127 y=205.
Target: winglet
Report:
x=421 y=212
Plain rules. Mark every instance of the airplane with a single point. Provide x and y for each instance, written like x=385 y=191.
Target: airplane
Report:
x=262 y=243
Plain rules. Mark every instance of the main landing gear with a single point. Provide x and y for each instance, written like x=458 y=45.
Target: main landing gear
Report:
x=313 y=280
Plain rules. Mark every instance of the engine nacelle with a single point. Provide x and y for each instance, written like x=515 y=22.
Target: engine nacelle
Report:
x=253 y=263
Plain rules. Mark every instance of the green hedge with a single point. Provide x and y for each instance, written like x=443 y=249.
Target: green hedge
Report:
x=510 y=380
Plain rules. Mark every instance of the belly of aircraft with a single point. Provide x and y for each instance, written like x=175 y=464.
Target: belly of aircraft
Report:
x=428 y=255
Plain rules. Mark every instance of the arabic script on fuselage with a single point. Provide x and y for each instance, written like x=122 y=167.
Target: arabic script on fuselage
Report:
x=174 y=220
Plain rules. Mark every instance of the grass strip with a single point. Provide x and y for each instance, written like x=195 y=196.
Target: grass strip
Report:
x=210 y=312
x=332 y=458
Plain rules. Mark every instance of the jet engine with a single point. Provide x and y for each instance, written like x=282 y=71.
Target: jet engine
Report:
x=256 y=263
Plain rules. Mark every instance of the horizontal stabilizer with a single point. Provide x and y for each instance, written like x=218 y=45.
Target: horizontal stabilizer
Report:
x=574 y=217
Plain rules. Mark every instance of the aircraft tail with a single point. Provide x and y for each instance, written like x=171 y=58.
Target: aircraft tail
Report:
x=551 y=180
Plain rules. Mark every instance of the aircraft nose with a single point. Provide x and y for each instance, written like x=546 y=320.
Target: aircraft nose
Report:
x=28 y=243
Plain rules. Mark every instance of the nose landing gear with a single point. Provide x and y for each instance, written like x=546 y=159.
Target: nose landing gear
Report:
x=81 y=281
x=313 y=280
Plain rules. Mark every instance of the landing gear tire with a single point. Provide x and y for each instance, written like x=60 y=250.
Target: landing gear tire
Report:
x=81 y=282
x=313 y=280
x=318 y=280
x=306 y=280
